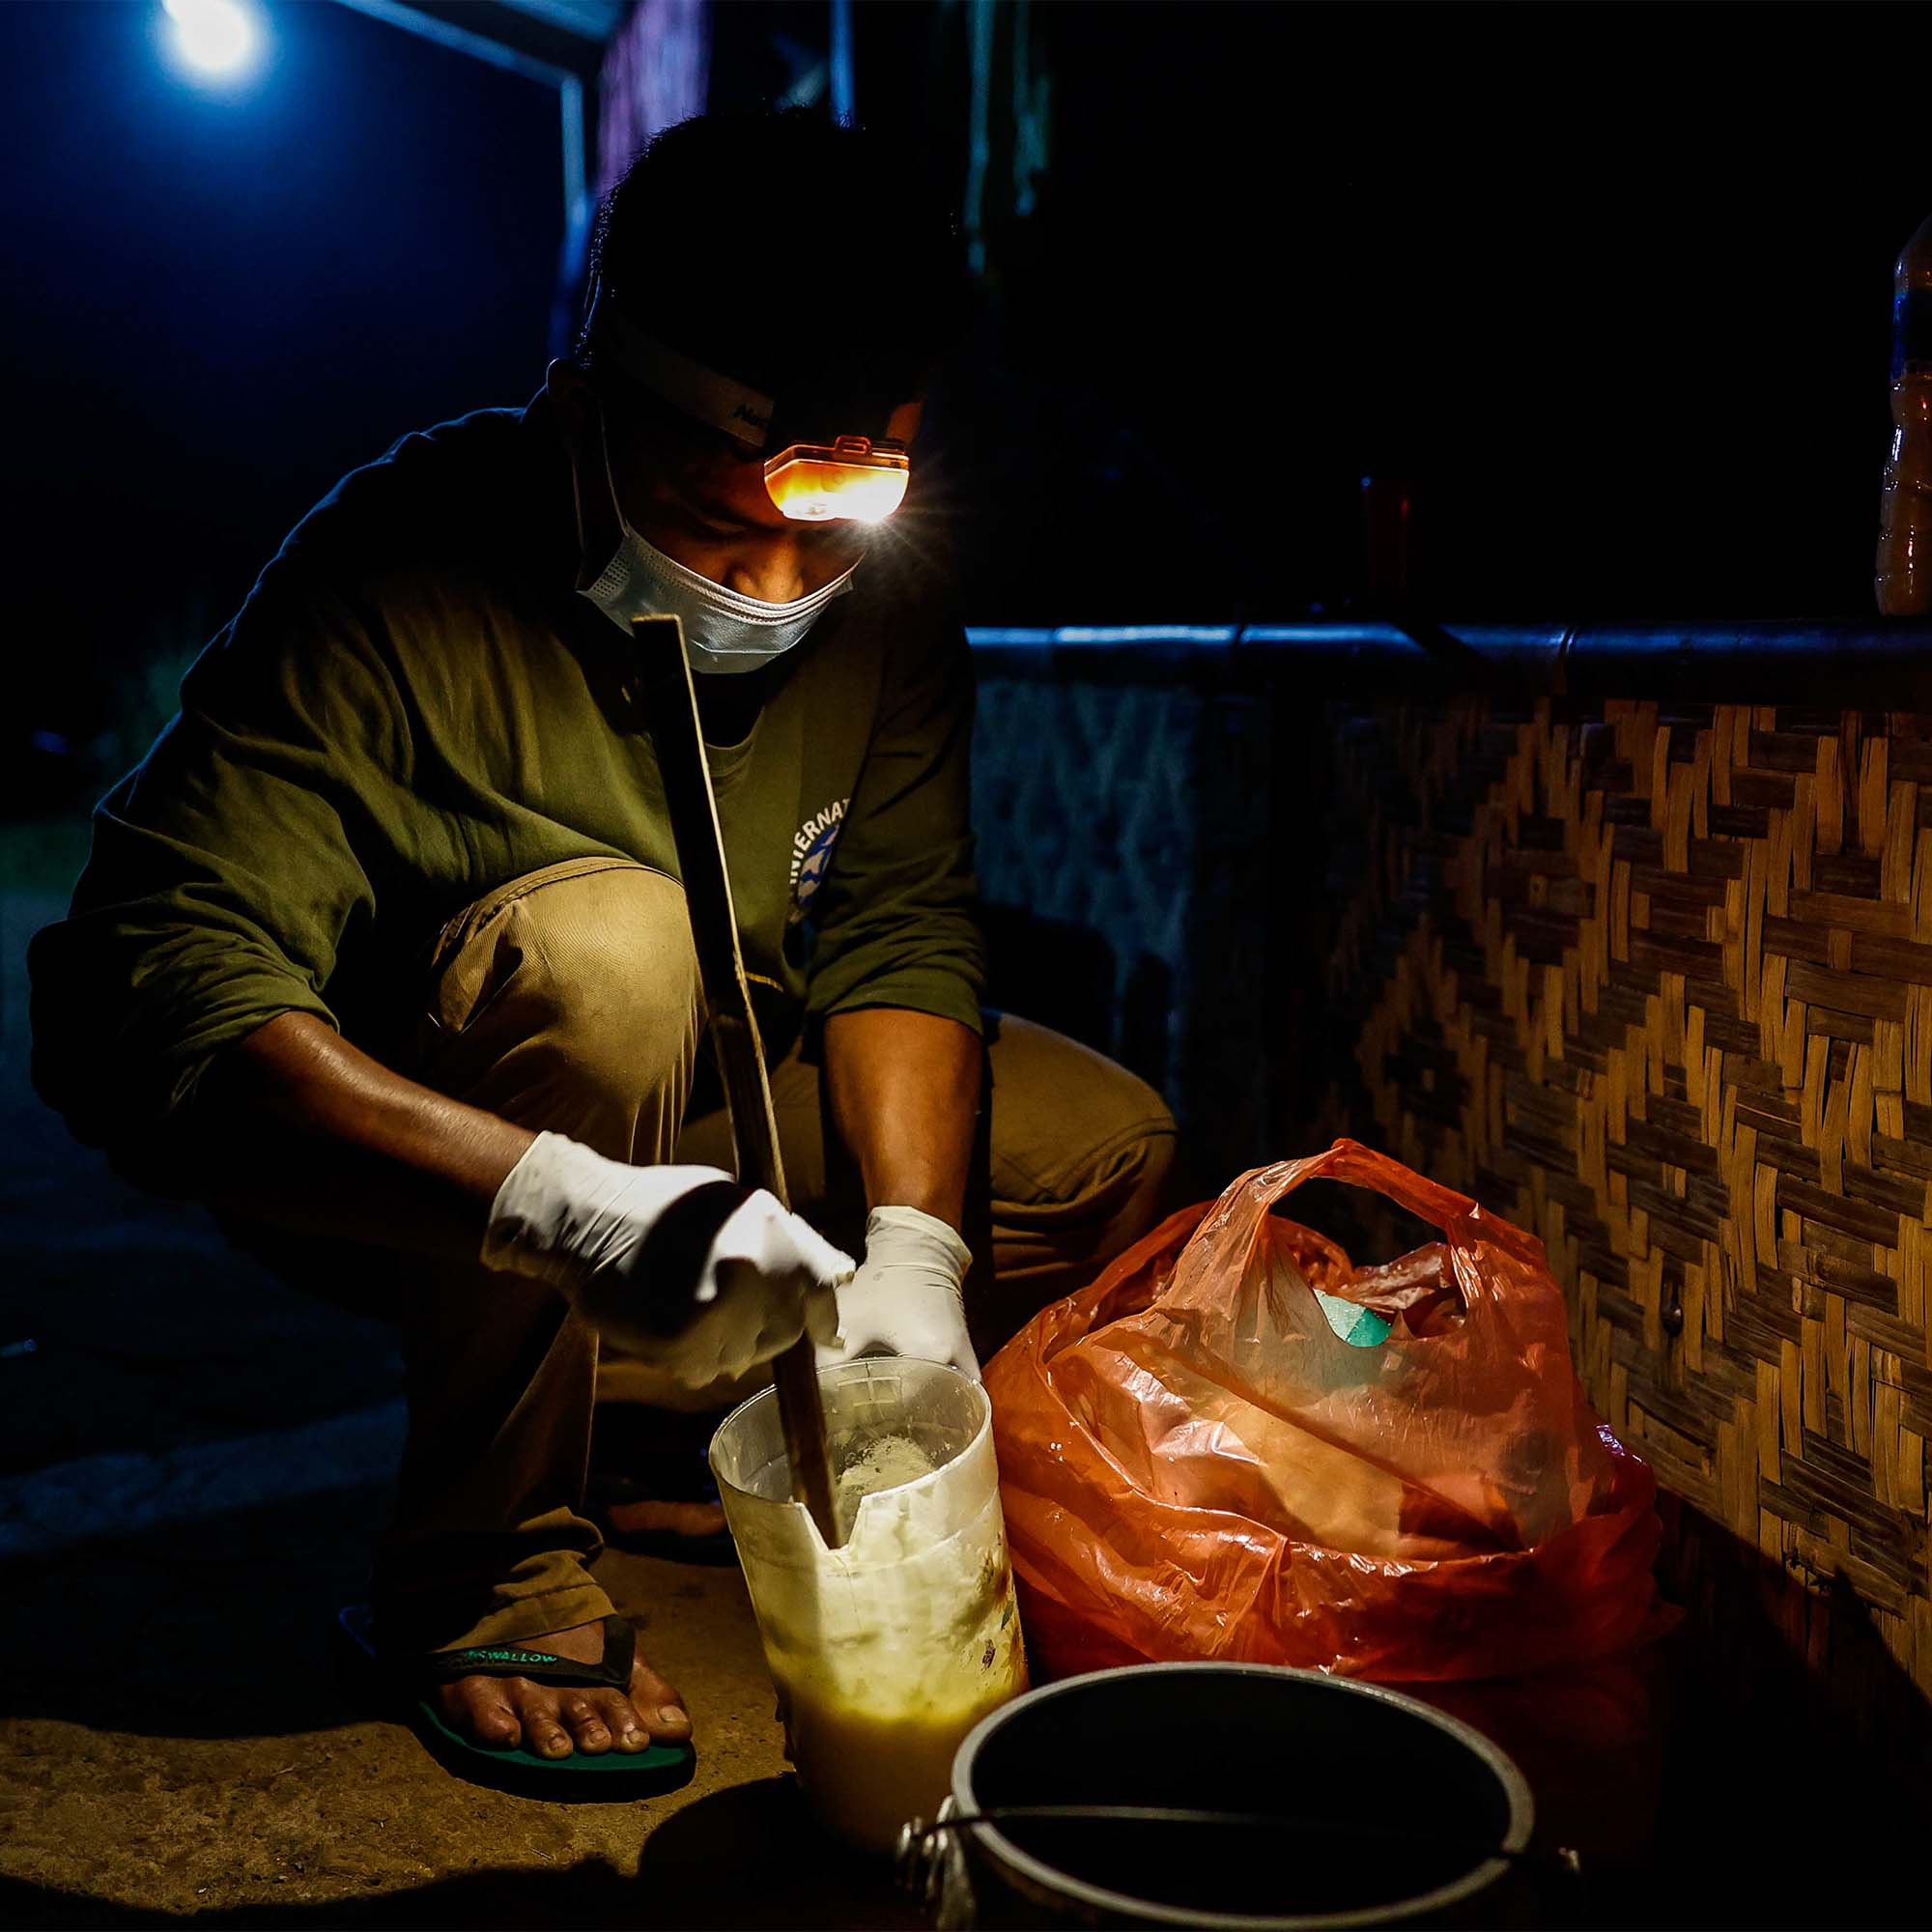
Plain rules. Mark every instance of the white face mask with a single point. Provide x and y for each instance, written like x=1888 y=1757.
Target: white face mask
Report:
x=725 y=630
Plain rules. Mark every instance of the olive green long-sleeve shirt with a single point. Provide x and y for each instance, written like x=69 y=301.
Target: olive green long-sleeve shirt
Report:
x=414 y=707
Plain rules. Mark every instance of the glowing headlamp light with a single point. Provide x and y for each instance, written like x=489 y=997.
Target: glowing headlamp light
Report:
x=854 y=476
x=857 y=478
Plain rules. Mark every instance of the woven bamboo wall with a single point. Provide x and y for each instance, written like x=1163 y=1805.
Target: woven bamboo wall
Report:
x=1657 y=983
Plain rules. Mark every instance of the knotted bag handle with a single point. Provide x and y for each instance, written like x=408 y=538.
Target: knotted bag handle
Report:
x=1464 y=1223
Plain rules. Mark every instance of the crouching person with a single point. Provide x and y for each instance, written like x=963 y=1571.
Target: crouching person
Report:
x=382 y=951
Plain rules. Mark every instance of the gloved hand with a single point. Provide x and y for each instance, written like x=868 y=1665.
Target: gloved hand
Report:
x=684 y=1267
x=908 y=1296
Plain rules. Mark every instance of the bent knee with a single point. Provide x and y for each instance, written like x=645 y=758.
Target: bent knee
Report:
x=609 y=965
x=585 y=973
x=1074 y=1129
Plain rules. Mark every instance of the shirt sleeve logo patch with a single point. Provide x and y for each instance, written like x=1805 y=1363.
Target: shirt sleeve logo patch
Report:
x=811 y=849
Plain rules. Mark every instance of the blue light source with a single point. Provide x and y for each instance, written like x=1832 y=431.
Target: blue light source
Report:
x=218 y=37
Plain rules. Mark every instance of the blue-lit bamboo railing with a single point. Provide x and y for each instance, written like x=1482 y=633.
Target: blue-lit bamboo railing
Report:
x=1819 y=660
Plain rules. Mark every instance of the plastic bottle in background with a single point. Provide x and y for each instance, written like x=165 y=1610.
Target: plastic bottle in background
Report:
x=1904 y=578
x=1388 y=532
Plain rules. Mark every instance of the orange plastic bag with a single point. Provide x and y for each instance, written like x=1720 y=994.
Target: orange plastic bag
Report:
x=1194 y=1464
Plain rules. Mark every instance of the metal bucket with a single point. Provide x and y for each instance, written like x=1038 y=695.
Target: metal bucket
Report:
x=1338 y=1804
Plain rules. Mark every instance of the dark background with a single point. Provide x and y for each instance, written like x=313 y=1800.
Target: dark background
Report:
x=1610 y=284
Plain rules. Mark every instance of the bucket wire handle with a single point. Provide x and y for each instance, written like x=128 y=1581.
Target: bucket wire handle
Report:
x=919 y=1841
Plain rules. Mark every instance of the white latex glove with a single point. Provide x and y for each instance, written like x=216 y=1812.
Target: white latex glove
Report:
x=681 y=1265
x=909 y=1294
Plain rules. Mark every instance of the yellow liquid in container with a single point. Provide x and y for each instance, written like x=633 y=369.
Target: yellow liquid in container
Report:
x=889 y=1649
x=867 y=1770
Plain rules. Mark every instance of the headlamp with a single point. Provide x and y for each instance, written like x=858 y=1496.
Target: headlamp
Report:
x=861 y=478
x=853 y=477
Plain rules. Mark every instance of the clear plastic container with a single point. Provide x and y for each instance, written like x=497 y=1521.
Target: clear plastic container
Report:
x=887 y=1651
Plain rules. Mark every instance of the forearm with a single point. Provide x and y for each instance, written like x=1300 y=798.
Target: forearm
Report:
x=903 y=1093
x=299 y=1128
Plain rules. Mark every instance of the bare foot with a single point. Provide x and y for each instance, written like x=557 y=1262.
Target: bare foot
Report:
x=695 y=1521
x=648 y=1472
x=553 y=1719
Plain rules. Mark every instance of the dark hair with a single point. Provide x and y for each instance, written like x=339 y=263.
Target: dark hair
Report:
x=854 y=313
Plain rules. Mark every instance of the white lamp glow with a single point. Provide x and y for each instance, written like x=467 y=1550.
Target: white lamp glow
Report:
x=213 y=36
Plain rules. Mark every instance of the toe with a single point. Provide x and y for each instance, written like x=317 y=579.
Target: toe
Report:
x=587 y=1728
x=659 y=1706
x=478 y=1709
x=543 y=1729
x=620 y=1719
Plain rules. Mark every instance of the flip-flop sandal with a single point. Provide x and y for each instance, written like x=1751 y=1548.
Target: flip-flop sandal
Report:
x=609 y=1777
x=667 y=1479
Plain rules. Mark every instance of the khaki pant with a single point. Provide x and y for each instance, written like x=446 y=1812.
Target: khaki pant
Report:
x=569 y=1001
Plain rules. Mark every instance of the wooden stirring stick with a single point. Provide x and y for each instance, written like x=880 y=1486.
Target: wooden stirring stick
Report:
x=678 y=737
